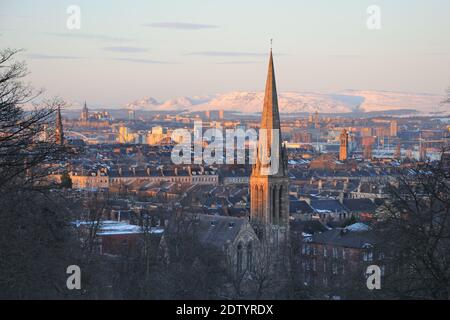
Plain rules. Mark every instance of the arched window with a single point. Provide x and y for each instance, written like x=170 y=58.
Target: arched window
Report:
x=239 y=258
x=274 y=205
x=260 y=202
x=280 y=202
x=250 y=256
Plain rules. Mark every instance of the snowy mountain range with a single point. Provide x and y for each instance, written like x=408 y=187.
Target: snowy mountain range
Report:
x=292 y=102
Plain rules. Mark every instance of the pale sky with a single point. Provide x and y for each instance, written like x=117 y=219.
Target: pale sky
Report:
x=126 y=50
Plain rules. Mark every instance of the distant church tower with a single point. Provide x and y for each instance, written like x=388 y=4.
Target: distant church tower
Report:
x=343 y=148
x=269 y=191
x=85 y=113
x=59 y=133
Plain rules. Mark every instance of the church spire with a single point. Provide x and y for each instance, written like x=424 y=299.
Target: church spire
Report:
x=271 y=129
x=270 y=116
x=85 y=113
x=269 y=182
x=59 y=128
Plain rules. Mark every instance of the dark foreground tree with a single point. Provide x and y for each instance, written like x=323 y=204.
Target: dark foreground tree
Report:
x=172 y=265
x=414 y=235
x=37 y=242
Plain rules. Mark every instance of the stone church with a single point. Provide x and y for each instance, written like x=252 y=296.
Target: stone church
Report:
x=260 y=247
x=255 y=247
x=269 y=181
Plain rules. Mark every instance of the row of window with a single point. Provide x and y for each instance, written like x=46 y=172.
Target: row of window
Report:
x=336 y=253
x=196 y=179
x=312 y=265
x=307 y=276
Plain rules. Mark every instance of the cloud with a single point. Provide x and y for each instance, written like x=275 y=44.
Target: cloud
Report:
x=146 y=61
x=87 y=36
x=125 y=49
x=51 y=57
x=227 y=54
x=181 y=25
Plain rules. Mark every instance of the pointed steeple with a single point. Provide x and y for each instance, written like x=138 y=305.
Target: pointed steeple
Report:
x=85 y=113
x=270 y=116
x=270 y=123
x=269 y=181
x=59 y=133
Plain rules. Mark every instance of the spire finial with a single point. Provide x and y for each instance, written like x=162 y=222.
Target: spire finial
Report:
x=271 y=41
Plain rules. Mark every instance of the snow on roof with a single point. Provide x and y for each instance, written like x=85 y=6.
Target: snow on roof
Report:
x=114 y=227
x=109 y=227
x=323 y=211
x=359 y=226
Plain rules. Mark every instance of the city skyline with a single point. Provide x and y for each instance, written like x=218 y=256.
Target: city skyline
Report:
x=177 y=49
x=281 y=194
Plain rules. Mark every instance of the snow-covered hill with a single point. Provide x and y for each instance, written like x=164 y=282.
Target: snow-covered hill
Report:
x=290 y=102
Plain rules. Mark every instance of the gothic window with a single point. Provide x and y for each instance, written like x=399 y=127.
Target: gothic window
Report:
x=250 y=256
x=280 y=201
x=239 y=258
x=260 y=201
x=274 y=204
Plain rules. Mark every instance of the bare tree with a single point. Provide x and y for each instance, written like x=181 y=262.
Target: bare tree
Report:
x=415 y=234
x=21 y=150
x=37 y=241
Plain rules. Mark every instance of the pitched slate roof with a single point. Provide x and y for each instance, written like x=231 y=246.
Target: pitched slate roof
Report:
x=308 y=226
x=327 y=206
x=218 y=230
x=359 y=205
x=345 y=238
x=300 y=206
